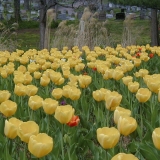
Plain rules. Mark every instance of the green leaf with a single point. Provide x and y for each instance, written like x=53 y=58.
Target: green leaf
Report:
x=149 y=151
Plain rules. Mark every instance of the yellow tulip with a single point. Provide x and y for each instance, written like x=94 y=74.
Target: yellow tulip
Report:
x=156 y=137
x=137 y=62
x=31 y=90
x=3 y=60
x=4 y=73
x=35 y=102
x=64 y=113
x=84 y=80
x=18 y=78
x=66 y=91
x=27 y=129
x=133 y=87
x=108 y=74
x=153 y=84
x=24 y=60
x=126 y=125
x=143 y=95
x=124 y=156
x=142 y=72
x=49 y=105
x=117 y=74
x=127 y=79
x=108 y=137
x=4 y=95
x=98 y=95
x=27 y=79
x=11 y=127
x=44 y=81
x=75 y=93
x=57 y=93
x=40 y=145
x=55 y=65
x=56 y=77
x=120 y=111
x=32 y=67
x=37 y=75
x=22 y=69
x=20 y=89
x=104 y=91
x=112 y=100
x=66 y=73
x=8 y=108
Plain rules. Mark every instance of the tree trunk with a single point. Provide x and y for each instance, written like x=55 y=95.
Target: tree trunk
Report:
x=154 y=28
x=42 y=24
x=17 y=10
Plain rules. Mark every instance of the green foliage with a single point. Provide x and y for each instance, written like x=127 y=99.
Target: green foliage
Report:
x=55 y=24
x=28 y=24
x=142 y=3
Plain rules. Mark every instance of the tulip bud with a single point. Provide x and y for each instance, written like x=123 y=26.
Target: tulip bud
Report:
x=11 y=127
x=44 y=81
x=74 y=93
x=20 y=89
x=112 y=100
x=64 y=113
x=156 y=138
x=137 y=62
x=143 y=95
x=127 y=79
x=27 y=79
x=35 y=102
x=119 y=111
x=57 y=93
x=98 y=95
x=4 y=95
x=84 y=81
x=27 y=129
x=40 y=145
x=37 y=75
x=108 y=137
x=117 y=74
x=126 y=125
x=49 y=105
x=153 y=84
x=124 y=156
x=74 y=121
x=31 y=90
x=133 y=86
x=8 y=108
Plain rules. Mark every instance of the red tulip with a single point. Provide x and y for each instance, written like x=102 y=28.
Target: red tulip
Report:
x=94 y=69
x=138 y=54
x=151 y=55
x=74 y=121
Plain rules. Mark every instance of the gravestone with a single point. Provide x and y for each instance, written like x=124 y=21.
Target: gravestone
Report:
x=120 y=16
x=62 y=16
x=109 y=15
x=142 y=13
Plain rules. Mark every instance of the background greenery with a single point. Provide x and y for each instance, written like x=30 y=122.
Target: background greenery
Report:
x=28 y=32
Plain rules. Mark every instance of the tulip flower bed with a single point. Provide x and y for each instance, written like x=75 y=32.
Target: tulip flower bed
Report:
x=74 y=104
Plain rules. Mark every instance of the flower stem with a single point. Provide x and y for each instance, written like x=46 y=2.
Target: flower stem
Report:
x=62 y=144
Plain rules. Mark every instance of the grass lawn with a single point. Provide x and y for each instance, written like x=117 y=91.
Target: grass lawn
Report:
x=29 y=38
